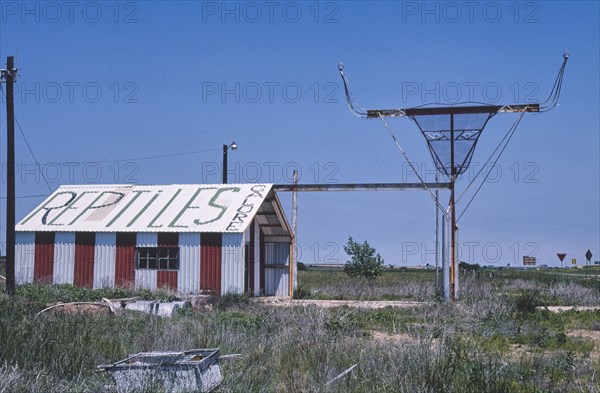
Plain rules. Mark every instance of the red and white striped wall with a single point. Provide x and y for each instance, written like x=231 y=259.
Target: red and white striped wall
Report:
x=211 y=262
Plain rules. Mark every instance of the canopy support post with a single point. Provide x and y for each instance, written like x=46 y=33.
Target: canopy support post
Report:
x=293 y=261
x=445 y=267
x=437 y=240
x=453 y=282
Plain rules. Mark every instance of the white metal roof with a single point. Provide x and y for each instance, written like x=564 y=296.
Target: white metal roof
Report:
x=138 y=208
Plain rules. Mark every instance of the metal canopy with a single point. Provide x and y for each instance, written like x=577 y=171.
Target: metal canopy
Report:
x=451 y=138
x=451 y=133
x=545 y=106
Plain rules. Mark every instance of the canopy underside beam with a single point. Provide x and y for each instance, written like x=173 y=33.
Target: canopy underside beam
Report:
x=455 y=110
x=361 y=187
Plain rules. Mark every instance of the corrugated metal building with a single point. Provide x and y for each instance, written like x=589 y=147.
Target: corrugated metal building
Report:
x=190 y=238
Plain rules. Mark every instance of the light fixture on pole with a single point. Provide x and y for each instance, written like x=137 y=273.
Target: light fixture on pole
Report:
x=232 y=146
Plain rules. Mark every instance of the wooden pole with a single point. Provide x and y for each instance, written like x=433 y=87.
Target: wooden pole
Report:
x=9 y=76
x=225 y=147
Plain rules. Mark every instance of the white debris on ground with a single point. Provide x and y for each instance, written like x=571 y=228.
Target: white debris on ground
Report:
x=568 y=308
x=155 y=308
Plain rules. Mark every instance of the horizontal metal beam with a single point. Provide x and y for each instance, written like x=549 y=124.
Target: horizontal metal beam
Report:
x=456 y=110
x=361 y=187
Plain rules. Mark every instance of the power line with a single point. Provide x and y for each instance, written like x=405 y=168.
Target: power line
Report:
x=510 y=135
x=29 y=196
x=153 y=157
x=435 y=200
x=37 y=164
x=158 y=156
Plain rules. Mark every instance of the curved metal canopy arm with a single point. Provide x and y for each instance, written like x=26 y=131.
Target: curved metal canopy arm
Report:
x=552 y=99
x=355 y=109
x=547 y=105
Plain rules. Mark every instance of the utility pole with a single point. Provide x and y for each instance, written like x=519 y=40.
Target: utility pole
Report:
x=232 y=146
x=225 y=147
x=9 y=75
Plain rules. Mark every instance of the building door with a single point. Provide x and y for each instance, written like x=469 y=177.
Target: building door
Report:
x=84 y=259
x=43 y=265
x=210 y=262
x=246 y=269
x=125 y=260
x=250 y=259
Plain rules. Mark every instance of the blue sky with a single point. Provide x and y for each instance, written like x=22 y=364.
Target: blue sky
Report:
x=104 y=81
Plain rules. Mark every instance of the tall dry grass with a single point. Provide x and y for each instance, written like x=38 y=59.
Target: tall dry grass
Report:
x=491 y=341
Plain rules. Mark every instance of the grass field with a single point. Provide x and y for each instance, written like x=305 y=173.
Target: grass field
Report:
x=493 y=340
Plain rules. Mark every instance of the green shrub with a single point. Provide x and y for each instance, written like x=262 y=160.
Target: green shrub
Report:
x=231 y=299
x=364 y=262
x=469 y=266
x=301 y=267
x=302 y=292
x=43 y=294
x=528 y=300
x=240 y=319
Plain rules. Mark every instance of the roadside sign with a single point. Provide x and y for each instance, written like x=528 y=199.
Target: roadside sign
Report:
x=561 y=256
x=574 y=261
x=588 y=255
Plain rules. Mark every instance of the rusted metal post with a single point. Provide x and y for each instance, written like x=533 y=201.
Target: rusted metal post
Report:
x=295 y=226
x=445 y=267
x=452 y=248
x=452 y=214
x=437 y=239
x=457 y=268
x=291 y=270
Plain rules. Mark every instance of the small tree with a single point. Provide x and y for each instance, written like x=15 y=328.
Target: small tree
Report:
x=364 y=262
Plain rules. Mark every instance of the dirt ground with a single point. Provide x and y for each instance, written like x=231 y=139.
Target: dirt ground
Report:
x=87 y=309
x=391 y=338
x=287 y=302
x=593 y=335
